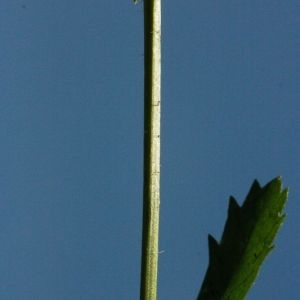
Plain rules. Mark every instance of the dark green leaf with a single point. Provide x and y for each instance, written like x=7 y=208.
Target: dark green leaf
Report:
x=247 y=239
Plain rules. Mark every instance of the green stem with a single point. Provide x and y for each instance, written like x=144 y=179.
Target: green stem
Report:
x=151 y=194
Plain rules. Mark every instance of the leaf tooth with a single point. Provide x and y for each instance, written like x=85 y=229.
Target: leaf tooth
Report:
x=234 y=207
x=213 y=248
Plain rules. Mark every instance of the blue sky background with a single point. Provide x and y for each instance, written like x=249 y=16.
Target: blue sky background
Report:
x=71 y=117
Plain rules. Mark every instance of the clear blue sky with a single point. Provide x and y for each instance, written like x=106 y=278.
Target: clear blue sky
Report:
x=71 y=117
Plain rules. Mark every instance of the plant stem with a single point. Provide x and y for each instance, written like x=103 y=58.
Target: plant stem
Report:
x=151 y=193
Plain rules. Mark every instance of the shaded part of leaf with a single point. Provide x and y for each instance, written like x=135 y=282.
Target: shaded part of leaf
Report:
x=211 y=287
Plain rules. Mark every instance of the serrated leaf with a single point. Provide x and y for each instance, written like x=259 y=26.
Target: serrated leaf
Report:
x=247 y=239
